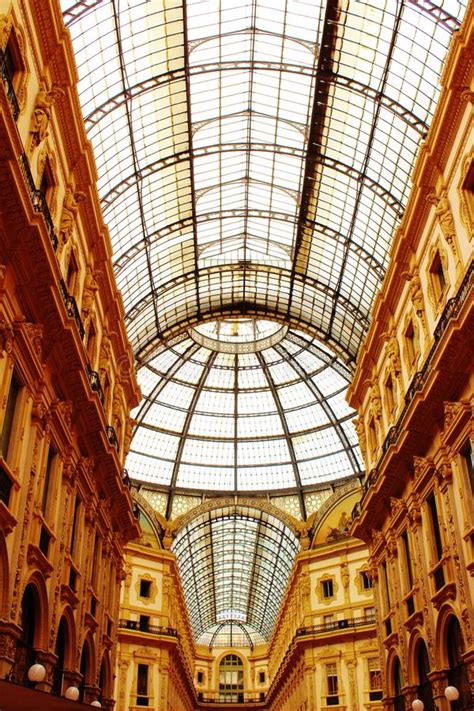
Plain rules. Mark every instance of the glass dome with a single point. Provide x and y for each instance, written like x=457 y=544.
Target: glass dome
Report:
x=246 y=422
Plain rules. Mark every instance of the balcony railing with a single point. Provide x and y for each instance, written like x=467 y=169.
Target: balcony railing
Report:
x=237 y=698
x=112 y=437
x=348 y=623
x=8 y=85
x=94 y=382
x=149 y=629
x=38 y=200
x=71 y=307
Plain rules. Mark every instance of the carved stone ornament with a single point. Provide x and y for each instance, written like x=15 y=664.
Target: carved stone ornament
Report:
x=7 y=336
x=375 y=400
x=450 y=411
x=71 y=203
x=377 y=537
x=34 y=332
x=42 y=114
x=420 y=465
x=5 y=29
x=88 y=294
x=65 y=409
x=396 y=506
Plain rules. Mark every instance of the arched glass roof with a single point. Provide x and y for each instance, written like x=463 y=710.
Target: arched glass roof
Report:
x=234 y=563
x=243 y=421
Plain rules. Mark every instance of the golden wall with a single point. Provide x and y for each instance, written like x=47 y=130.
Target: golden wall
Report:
x=66 y=375
x=413 y=389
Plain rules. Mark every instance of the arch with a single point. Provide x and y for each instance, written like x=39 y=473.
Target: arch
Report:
x=105 y=678
x=4 y=576
x=452 y=645
x=87 y=667
x=36 y=589
x=230 y=672
x=231 y=622
x=61 y=648
x=421 y=670
x=248 y=502
x=394 y=674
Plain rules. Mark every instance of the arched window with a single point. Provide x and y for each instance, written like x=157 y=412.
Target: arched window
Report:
x=457 y=672
x=231 y=679
x=25 y=652
x=60 y=651
x=424 y=684
x=85 y=670
x=397 y=685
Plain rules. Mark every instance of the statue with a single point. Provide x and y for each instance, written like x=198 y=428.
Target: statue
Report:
x=129 y=425
x=88 y=294
x=104 y=355
x=375 y=401
x=68 y=217
x=117 y=405
x=42 y=114
x=393 y=351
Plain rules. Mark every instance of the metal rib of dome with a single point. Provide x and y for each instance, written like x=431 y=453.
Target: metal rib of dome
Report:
x=270 y=420
x=255 y=157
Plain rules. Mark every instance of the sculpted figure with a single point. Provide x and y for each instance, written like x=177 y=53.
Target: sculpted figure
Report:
x=42 y=113
x=90 y=287
x=68 y=217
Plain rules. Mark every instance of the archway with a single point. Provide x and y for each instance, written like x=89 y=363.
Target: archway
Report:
x=457 y=670
x=60 y=650
x=231 y=679
x=424 y=690
x=25 y=655
x=86 y=668
x=3 y=576
x=396 y=684
x=105 y=678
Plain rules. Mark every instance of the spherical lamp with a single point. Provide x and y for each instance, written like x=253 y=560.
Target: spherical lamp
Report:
x=96 y=703
x=417 y=705
x=37 y=673
x=451 y=693
x=72 y=693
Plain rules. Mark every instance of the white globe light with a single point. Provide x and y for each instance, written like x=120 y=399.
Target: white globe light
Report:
x=451 y=693
x=417 y=705
x=37 y=673
x=96 y=703
x=72 y=693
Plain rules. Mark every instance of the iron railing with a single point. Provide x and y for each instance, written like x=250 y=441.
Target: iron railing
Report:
x=150 y=629
x=37 y=198
x=71 y=307
x=8 y=86
x=347 y=623
x=94 y=382
x=112 y=437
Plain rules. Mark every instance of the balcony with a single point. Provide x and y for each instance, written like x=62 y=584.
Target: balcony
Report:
x=8 y=86
x=149 y=629
x=335 y=625
x=71 y=307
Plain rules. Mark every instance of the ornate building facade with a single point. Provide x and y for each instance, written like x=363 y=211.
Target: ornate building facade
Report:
x=414 y=391
x=66 y=377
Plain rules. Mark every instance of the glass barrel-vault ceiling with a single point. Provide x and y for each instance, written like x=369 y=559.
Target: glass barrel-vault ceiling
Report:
x=234 y=563
x=255 y=156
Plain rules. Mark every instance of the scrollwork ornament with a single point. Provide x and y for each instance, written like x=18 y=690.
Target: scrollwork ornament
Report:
x=7 y=337
x=451 y=409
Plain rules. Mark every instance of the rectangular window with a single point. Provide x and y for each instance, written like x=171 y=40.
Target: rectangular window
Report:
x=142 y=685
x=332 y=685
x=47 y=181
x=9 y=60
x=433 y=511
x=438 y=278
x=410 y=342
x=9 y=416
x=375 y=679
x=369 y=614
x=47 y=480
x=386 y=585
x=468 y=457
x=145 y=588
x=389 y=394
x=75 y=523
x=327 y=588
x=408 y=563
x=366 y=580
x=200 y=677
x=144 y=622
x=261 y=677
x=95 y=561
x=328 y=621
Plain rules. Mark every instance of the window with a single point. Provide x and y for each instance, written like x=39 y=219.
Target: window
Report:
x=375 y=679
x=47 y=181
x=95 y=561
x=261 y=677
x=386 y=585
x=408 y=563
x=372 y=435
x=75 y=523
x=369 y=614
x=467 y=195
x=332 y=686
x=9 y=416
x=145 y=588
x=327 y=588
x=435 y=529
x=438 y=278
x=468 y=457
x=91 y=341
x=200 y=677
x=328 y=621
x=72 y=275
x=142 y=685
x=231 y=679
x=144 y=622
x=14 y=66
x=366 y=580
x=411 y=343
x=389 y=394
x=47 y=480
